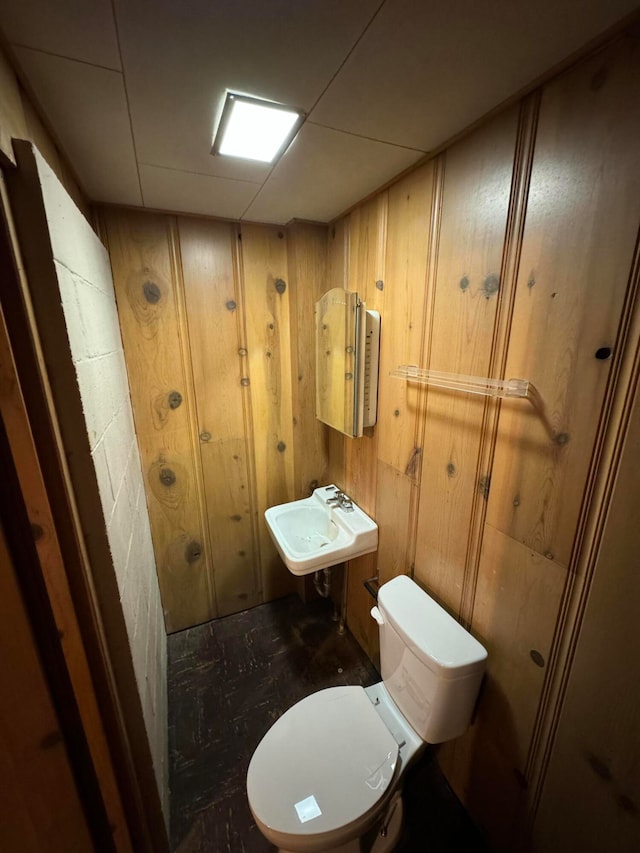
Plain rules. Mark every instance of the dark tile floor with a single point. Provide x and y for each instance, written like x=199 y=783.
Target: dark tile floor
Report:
x=229 y=680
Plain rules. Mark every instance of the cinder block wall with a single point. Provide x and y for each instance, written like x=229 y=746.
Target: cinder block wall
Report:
x=86 y=291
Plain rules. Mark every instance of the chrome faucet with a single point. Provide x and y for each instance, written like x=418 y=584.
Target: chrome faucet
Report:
x=341 y=500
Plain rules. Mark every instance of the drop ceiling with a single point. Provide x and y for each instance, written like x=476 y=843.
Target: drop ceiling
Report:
x=132 y=88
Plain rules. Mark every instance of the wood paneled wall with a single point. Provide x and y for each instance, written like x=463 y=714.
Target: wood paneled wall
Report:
x=217 y=324
x=509 y=255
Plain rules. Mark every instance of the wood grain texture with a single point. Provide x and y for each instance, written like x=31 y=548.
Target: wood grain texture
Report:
x=475 y=203
x=515 y=613
x=516 y=609
x=24 y=452
x=337 y=276
x=408 y=226
x=264 y=265
x=307 y=266
x=214 y=324
x=367 y=242
x=524 y=149
x=146 y=285
x=590 y=798
x=12 y=119
x=393 y=515
x=580 y=233
x=40 y=803
x=50 y=386
x=359 y=604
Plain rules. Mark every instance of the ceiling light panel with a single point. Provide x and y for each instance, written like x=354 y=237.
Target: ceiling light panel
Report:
x=253 y=129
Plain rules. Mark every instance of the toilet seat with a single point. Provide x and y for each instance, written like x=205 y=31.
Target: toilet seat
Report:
x=323 y=765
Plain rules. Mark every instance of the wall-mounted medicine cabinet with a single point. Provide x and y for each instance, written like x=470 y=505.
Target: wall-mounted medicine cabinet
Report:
x=347 y=353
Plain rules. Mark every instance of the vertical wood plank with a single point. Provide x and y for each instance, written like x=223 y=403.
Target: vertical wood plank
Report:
x=525 y=146
x=37 y=504
x=517 y=600
x=590 y=797
x=580 y=233
x=212 y=307
x=475 y=204
x=367 y=242
x=307 y=265
x=359 y=604
x=266 y=299
x=515 y=613
x=337 y=276
x=408 y=224
x=393 y=516
x=145 y=280
x=40 y=807
x=12 y=119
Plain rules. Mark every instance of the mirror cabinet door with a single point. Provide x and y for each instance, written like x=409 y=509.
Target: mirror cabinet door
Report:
x=337 y=360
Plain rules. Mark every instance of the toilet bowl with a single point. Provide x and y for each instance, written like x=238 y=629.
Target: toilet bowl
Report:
x=327 y=775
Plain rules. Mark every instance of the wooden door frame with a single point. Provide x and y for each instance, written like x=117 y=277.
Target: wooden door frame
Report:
x=107 y=652
x=19 y=537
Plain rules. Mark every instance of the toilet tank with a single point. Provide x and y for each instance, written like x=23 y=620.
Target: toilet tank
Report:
x=431 y=665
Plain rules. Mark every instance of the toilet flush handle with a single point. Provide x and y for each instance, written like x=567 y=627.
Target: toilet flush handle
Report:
x=377 y=615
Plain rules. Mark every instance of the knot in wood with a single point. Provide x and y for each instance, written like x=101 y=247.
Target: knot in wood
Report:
x=193 y=552
x=536 y=657
x=280 y=285
x=175 y=398
x=167 y=477
x=491 y=285
x=151 y=292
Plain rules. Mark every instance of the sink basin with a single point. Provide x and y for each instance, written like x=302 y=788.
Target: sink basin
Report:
x=311 y=534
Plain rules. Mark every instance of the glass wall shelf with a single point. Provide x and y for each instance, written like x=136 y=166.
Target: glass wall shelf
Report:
x=468 y=384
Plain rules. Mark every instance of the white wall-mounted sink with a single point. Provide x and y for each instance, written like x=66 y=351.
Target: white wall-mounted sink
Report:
x=312 y=534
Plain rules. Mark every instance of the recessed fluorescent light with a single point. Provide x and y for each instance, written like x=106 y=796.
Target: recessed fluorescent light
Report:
x=255 y=129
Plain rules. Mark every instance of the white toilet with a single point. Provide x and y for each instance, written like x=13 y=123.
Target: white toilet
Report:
x=327 y=775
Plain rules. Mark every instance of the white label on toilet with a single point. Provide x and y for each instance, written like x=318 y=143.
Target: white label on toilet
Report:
x=308 y=809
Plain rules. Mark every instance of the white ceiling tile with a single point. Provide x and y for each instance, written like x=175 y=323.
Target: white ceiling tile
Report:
x=185 y=192
x=424 y=71
x=409 y=72
x=87 y=107
x=179 y=59
x=324 y=172
x=78 y=29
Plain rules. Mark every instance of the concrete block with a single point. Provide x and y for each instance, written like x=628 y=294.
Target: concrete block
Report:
x=118 y=439
x=94 y=380
x=119 y=381
x=130 y=601
x=140 y=641
x=72 y=312
x=105 y=484
x=74 y=242
x=99 y=319
x=121 y=533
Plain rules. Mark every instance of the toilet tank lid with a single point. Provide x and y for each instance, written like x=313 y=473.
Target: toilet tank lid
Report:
x=428 y=630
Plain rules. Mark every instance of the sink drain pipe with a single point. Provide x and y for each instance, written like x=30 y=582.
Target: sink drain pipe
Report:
x=323 y=586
